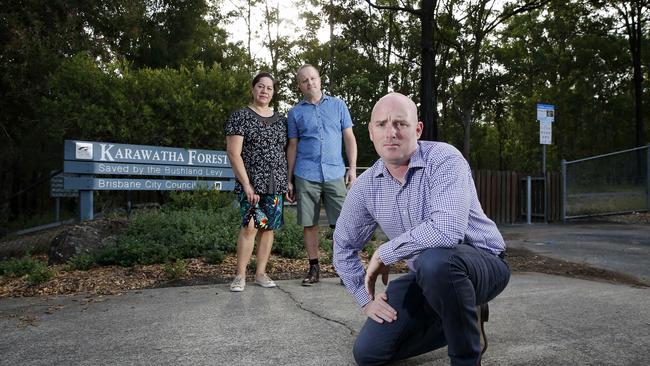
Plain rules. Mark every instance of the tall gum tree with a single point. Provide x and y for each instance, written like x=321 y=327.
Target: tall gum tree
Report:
x=634 y=16
x=478 y=19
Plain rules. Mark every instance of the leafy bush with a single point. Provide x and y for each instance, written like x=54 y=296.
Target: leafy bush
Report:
x=214 y=256
x=164 y=107
x=199 y=199
x=190 y=228
x=327 y=250
x=82 y=262
x=288 y=241
x=17 y=267
x=166 y=235
x=36 y=270
x=39 y=274
x=370 y=248
x=252 y=264
x=175 y=270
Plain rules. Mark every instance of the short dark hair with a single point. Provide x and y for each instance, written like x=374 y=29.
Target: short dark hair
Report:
x=257 y=78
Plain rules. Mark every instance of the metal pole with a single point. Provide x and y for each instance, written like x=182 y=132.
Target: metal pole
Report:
x=528 y=199
x=544 y=182
x=128 y=204
x=563 y=190
x=647 y=179
x=57 y=208
x=85 y=205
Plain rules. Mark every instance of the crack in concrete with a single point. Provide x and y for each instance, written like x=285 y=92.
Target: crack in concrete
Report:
x=299 y=304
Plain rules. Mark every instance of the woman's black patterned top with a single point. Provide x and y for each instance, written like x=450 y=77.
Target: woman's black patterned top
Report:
x=263 y=151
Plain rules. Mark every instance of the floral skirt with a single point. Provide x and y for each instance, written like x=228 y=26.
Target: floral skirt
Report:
x=266 y=214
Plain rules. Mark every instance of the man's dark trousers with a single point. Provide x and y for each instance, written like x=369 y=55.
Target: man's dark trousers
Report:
x=436 y=306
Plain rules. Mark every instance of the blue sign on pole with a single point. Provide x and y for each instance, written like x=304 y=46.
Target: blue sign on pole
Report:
x=545 y=117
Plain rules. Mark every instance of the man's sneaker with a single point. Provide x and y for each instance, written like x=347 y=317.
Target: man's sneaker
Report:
x=482 y=314
x=238 y=284
x=264 y=281
x=312 y=275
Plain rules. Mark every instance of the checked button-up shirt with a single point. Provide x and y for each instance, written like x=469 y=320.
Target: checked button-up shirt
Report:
x=436 y=207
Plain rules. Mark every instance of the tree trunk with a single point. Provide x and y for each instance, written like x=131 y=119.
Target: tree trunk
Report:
x=426 y=94
x=635 y=46
x=388 y=51
x=467 y=123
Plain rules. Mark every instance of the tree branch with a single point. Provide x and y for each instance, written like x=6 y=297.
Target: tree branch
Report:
x=510 y=13
x=417 y=12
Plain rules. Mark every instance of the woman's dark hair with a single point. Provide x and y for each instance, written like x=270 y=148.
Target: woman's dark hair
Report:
x=257 y=78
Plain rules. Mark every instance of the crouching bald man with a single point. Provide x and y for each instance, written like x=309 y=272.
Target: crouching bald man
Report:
x=422 y=195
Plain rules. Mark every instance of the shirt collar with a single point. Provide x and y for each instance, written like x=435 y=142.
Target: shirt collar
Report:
x=322 y=99
x=416 y=161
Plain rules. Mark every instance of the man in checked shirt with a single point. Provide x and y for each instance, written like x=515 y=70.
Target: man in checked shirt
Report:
x=422 y=196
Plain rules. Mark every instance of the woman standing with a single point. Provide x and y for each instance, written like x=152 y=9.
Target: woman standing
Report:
x=256 y=138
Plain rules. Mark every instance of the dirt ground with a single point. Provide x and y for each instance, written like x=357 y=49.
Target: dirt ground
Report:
x=116 y=280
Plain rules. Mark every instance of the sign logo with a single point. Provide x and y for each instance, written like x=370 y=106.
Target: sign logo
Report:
x=83 y=150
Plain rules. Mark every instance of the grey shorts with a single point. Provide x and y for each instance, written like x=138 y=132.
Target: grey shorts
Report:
x=309 y=196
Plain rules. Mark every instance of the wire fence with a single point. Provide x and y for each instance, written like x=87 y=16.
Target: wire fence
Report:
x=607 y=184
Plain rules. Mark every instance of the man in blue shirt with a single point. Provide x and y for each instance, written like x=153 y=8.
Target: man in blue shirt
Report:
x=316 y=127
x=423 y=197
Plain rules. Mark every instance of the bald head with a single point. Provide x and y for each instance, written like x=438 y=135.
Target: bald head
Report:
x=394 y=129
x=394 y=102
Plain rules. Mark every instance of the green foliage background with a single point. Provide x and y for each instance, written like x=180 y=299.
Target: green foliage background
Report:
x=163 y=72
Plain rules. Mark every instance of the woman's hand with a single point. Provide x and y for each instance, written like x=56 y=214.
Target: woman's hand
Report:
x=252 y=198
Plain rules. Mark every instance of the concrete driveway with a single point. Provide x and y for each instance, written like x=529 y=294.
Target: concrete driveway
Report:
x=539 y=319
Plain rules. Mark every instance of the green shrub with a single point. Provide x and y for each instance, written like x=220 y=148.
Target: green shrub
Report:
x=36 y=270
x=40 y=273
x=175 y=270
x=326 y=250
x=288 y=241
x=166 y=236
x=82 y=262
x=18 y=267
x=370 y=248
x=200 y=199
x=214 y=256
x=252 y=264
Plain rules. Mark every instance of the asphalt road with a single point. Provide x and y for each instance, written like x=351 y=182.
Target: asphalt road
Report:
x=619 y=247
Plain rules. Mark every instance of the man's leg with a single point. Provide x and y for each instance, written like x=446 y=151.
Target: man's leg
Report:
x=417 y=329
x=454 y=281
x=310 y=234
x=308 y=207
x=334 y=193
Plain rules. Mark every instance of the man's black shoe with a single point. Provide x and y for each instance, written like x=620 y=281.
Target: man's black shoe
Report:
x=312 y=276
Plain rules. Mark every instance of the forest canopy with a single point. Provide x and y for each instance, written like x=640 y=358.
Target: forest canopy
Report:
x=166 y=72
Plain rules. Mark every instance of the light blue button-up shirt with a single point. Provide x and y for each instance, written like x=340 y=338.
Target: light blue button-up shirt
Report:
x=319 y=130
x=437 y=206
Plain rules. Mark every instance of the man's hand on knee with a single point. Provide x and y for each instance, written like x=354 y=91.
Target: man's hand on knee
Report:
x=379 y=310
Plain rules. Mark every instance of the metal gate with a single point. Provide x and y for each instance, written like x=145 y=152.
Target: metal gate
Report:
x=607 y=184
